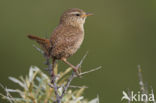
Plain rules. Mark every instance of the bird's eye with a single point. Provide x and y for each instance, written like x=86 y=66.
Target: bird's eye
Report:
x=77 y=14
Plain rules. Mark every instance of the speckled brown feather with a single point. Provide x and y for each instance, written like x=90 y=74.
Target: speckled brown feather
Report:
x=66 y=40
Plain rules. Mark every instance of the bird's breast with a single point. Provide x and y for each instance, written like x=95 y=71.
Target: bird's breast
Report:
x=76 y=45
x=66 y=41
x=80 y=40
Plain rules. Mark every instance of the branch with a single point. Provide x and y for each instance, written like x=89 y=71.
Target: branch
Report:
x=54 y=84
x=38 y=49
x=58 y=99
x=68 y=84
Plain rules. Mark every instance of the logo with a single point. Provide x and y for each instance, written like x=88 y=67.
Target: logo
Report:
x=131 y=96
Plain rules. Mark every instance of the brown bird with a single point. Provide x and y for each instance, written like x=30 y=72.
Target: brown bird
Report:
x=66 y=38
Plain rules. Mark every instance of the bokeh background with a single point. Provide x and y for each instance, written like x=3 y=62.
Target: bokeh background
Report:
x=121 y=35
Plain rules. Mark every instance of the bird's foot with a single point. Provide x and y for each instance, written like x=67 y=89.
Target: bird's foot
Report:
x=76 y=70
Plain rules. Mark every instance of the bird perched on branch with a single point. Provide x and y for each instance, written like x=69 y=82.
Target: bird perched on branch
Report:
x=66 y=38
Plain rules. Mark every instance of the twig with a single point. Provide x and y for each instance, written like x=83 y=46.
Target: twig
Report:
x=79 y=65
x=68 y=83
x=92 y=70
x=38 y=49
x=43 y=53
x=10 y=99
x=58 y=99
x=73 y=86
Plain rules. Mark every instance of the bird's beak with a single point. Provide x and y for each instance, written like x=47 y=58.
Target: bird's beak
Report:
x=87 y=14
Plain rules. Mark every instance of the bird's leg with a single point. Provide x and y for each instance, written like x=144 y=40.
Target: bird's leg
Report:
x=53 y=67
x=71 y=65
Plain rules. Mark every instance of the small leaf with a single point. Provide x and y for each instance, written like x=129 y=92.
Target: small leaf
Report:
x=60 y=90
x=96 y=100
x=18 y=82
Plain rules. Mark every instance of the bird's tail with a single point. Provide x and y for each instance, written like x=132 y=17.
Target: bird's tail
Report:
x=38 y=39
x=44 y=43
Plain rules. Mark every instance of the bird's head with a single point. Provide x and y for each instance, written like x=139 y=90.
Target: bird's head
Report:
x=74 y=17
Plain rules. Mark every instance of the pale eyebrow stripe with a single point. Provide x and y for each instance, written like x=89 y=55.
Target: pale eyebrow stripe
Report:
x=74 y=13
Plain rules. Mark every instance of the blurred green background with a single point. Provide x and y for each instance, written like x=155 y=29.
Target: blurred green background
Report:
x=121 y=35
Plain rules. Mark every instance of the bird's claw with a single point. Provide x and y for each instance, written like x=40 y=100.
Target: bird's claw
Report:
x=76 y=70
